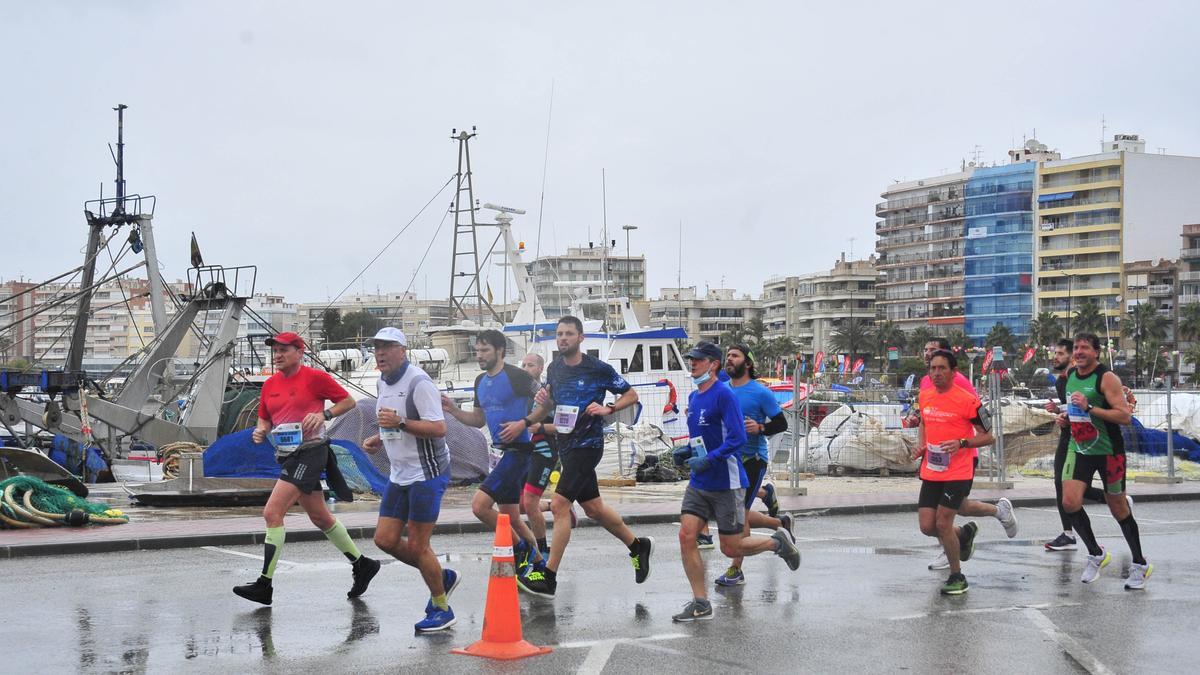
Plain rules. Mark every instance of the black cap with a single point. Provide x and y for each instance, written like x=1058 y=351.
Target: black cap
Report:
x=704 y=350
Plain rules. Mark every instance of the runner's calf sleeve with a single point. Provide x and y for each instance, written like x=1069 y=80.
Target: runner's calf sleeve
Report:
x=1083 y=528
x=341 y=539
x=1130 y=529
x=272 y=548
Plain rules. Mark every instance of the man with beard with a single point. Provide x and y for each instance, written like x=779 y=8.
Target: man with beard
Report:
x=503 y=394
x=762 y=417
x=577 y=386
x=1096 y=406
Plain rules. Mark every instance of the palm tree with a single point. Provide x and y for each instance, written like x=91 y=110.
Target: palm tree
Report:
x=854 y=337
x=1192 y=356
x=1088 y=318
x=959 y=340
x=1189 y=321
x=888 y=334
x=1001 y=336
x=1148 y=329
x=917 y=339
x=1045 y=330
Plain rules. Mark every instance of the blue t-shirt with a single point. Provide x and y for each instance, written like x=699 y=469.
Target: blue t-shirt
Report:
x=759 y=404
x=579 y=386
x=715 y=416
x=504 y=398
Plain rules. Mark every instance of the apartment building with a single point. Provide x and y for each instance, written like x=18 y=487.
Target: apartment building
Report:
x=704 y=317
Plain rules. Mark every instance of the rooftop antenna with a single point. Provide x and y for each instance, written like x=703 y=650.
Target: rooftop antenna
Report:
x=1103 y=131
x=464 y=263
x=852 y=248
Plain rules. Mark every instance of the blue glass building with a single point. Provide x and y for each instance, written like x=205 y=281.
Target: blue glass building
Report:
x=998 y=254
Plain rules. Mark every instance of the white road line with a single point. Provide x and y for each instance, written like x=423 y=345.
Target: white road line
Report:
x=597 y=658
x=982 y=610
x=1076 y=651
x=244 y=555
x=647 y=638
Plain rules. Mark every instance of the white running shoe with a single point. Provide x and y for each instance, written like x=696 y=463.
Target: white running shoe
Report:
x=941 y=563
x=1129 y=500
x=1138 y=574
x=1007 y=517
x=1094 y=563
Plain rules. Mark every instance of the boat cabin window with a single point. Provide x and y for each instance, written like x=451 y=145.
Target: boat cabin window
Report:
x=636 y=363
x=656 y=358
x=673 y=358
x=594 y=353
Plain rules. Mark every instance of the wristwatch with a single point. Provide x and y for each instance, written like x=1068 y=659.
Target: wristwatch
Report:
x=962 y=443
x=612 y=407
x=328 y=414
x=1089 y=408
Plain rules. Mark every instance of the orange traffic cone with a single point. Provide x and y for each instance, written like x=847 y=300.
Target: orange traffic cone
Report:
x=502 y=615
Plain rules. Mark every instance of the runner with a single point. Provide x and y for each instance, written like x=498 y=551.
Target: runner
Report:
x=1096 y=405
x=503 y=394
x=577 y=385
x=292 y=414
x=541 y=464
x=762 y=417
x=952 y=420
x=412 y=430
x=1060 y=363
x=717 y=488
x=1002 y=510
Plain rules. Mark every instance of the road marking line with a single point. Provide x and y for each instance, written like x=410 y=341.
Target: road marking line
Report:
x=647 y=638
x=982 y=610
x=252 y=556
x=597 y=658
x=1076 y=651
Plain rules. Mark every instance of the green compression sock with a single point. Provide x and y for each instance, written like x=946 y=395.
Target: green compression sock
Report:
x=440 y=602
x=341 y=539
x=272 y=548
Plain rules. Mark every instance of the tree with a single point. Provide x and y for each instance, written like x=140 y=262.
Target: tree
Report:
x=1189 y=321
x=331 y=323
x=354 y=327
x=917 y=339
x=1045 y=330
x=18 y=363
x=959 y=340
x=1087 y=319
x=888 y=334
x=1148 y=329
x=754 y=329
x=853 y=337
x=1001 y=336
x=5 y=345
x=1192 y=355
x=782 y=347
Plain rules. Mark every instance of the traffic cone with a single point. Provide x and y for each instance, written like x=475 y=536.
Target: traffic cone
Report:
x=502 y=614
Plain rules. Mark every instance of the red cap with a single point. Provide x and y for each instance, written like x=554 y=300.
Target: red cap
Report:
x=287 y=338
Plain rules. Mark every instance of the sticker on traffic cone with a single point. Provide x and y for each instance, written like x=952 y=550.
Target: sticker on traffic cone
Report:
x=502 y=614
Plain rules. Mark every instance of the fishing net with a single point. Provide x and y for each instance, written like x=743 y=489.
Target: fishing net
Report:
x=27 y=502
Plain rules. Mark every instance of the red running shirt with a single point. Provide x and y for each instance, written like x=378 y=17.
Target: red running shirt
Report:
x=289 y=399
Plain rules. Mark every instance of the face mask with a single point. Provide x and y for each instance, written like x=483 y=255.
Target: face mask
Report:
x=702 y=379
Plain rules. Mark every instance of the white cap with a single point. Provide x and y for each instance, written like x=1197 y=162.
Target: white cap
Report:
x=390 y=334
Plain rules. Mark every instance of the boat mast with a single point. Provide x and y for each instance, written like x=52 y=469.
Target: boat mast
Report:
x=465 y=284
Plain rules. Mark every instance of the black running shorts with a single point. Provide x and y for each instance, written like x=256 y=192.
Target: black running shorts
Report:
x=577 y=483
x=947 y=493
x=303 y=467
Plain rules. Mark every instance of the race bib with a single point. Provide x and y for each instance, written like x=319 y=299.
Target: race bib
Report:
x=565 y=417
x=495 y=454
x=286 y=437
x=1077 y=414
x=935 y=459
x=697 y=446
x=391 y=434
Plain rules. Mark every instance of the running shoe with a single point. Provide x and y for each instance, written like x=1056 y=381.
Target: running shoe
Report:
x=450 y=581
x=1129 y=500
x=787 y=522
x=1138 y=574
x=1063 y=542
x=435 y=620
x=704 y=542
x=956 y=584
x=1007 y=517
x=259 y=590
x=640 y=557
x=732 y=577
x=364 y=570
x=694 y=610
x=786 y=549
x=1094 y=564
x=940 y=563
x=966 y=541
x=521 y=554
x=771 y=500
x=538 y=582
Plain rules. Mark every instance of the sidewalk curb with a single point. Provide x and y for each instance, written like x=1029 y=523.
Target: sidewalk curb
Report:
x=11 y=551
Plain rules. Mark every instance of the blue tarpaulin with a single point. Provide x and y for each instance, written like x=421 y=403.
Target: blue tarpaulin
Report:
x=238 y=456
x=1153 y=442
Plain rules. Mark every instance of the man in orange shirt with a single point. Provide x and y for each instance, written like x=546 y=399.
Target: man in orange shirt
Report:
x=952 y=420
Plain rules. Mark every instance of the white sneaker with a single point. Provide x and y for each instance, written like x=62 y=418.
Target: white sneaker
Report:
x=1129 y=500
x=941 y=563
x=1094 y=563
x=1007 y=517
x=1138 y=574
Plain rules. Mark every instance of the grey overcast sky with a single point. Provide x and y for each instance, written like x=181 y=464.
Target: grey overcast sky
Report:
x=301 y=136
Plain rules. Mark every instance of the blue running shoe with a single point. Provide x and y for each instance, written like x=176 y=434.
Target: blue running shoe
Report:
x=435 y=620
x=732 y=577
x=450 y=580
x=771 y=500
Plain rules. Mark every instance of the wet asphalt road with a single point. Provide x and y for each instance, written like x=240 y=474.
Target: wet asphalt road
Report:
x=862 y=600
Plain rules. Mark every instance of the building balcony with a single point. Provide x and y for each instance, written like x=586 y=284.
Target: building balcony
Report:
x=1188 y=299
x=1160 y=290
x=1062 y=243
x=1189 y=276
x=1189 y=253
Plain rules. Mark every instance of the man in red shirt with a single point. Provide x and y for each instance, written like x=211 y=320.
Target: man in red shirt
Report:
x=292 y=415
x=953 y=420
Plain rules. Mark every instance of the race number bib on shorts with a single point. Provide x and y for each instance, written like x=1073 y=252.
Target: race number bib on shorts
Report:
x=935 y=459
x=565 y=417
x=1077 y=414
x=287 y=437
x=697 y=446
x=495 y=454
